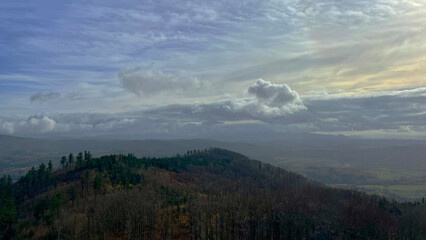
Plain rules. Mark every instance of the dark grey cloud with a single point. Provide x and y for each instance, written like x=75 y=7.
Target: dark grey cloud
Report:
x=45 y=97
x=151 y=80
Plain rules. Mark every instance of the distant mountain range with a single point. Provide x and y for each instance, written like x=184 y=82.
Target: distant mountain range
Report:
x=17 y=153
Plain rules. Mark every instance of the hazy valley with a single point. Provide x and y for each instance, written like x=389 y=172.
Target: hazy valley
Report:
x=394 y=168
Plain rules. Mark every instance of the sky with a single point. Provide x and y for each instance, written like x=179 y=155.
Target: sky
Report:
x=257 y=69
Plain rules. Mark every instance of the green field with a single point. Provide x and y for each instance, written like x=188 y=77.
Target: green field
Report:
x=396 y=174
x=399 y=184
x=408 y=192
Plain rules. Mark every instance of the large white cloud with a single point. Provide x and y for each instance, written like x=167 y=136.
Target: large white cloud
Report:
x=275 y=99
x=40 y=124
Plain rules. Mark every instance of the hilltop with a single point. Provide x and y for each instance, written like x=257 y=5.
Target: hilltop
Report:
x=202 y=194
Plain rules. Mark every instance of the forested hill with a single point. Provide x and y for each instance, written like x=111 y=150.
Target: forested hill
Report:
x=208 y=194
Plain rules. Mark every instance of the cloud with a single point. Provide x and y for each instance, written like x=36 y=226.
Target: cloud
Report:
x=389 y=110
x=278 y=99
x=151 y=80
x=33 y=124
x=265 y=101
x=268 y=110
x=45 y=97
x=206 y=50
x=6 y=127
x=40 y=124
x=325 y=112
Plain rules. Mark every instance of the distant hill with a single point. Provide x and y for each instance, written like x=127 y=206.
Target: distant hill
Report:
x=201 y=194
x=394 y=168
x=18 y=154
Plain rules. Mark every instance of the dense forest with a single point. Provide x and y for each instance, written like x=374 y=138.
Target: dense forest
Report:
x=208 y=194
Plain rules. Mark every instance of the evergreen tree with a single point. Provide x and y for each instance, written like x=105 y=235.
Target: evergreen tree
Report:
x=8 y=215
x=72 y=194
x=97 y=183
x=63 y=162
x=55 y=203
x=31 y=177
x=80 y=160
x=41 y=174
x=87 y=157
x=50 y=166
x=71 y=159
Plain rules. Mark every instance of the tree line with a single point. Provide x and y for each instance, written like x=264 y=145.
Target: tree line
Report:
x=203 y=194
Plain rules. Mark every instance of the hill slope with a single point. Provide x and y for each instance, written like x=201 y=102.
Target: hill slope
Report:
x=209 y=194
